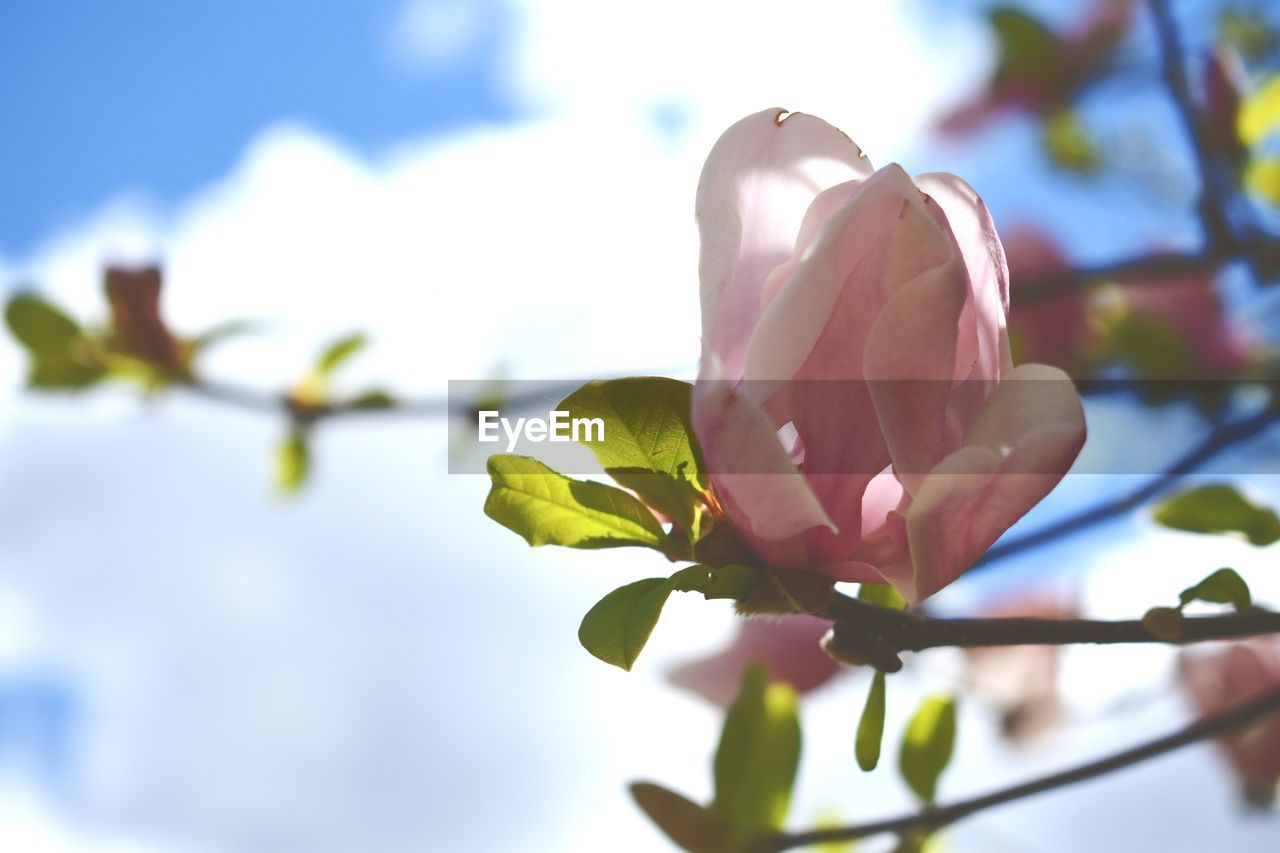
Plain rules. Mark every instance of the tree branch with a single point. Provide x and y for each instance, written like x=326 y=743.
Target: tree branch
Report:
x=1149 y=270
x=1215 y=195
x=263 y=402
x=932 y=819
x=868 y=626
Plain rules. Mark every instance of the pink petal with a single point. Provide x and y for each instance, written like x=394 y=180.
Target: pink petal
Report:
x=758 y=181
x=794 y=320
x=984 y=258
x=1022 y=444
x=1235 y=674
x=910 y=358
x=760 y=488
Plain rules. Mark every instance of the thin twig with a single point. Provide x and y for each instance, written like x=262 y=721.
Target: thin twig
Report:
x=264 y=402
x=1148 y=270
x=902 y=631
x=932 y=819
x=1215 y=195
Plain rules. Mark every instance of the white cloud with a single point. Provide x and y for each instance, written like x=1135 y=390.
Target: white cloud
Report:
x=866 y=67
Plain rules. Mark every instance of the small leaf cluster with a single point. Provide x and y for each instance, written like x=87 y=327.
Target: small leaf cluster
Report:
x=663 y=501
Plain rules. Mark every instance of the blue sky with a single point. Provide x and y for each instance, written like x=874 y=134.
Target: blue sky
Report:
x=96 y=98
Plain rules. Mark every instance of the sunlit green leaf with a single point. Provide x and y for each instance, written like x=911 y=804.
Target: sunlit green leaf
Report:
x=1225 y=586
x=883 y=595
x=42 y=328
x=1260 y=113
x=619 y=625
x=374 y=399
x=927 y=745
x=1028 y=49
x=1219 y=508
x=1150 y=348
x=293 y=462
x=1248 y=31
x=1262 y=178
x=646 y=422
x=871 y=726
x=648 y=445
x=1069 y=144
x=548 y=508
x=221 y=332
x=755 y=764
x=338 y=352
x=690 y=826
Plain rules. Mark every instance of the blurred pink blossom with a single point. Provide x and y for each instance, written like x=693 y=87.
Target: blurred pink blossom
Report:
x=788 y=647
x=1041 y=72
x=1226 y=677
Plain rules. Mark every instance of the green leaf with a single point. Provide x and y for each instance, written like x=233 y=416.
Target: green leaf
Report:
x=39 y=326
x=616 y=629
x=56 y=371
x=871 y=726
x=732 y=581
x=648 y=445
x=373 y=399
x=755 y=764
x=338 y=352
x=1262 y=178
x=1028 y=49
x=1259 y=115
x=225 y=331
x=690 y=826
x=1248 y=32
x=647 y=425
x=927 y=745
x=883 y=595
x=1069 y=144
x=1219 y=508
x=674 y=498
x=548 y=508
x=1225 y=586
x=293 y=462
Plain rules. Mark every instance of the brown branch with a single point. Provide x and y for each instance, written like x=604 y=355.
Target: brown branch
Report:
x=1215 y=192
x=868 y=629
x=932 y=819
x=1149 y=269
x=249 y=399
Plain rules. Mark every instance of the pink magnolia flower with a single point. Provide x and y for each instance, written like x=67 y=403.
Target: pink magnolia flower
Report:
x=860 y=315
x=1227 y=677
x=790 y=648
